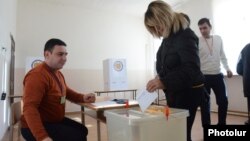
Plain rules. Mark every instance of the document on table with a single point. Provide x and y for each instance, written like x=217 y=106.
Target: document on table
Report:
x=104 y=103
x=145 y=99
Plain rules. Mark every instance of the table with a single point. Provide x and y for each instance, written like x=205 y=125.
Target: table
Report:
x=117 y=91
x=97 y=112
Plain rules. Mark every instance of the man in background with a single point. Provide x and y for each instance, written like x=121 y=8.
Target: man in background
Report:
x=212 y=54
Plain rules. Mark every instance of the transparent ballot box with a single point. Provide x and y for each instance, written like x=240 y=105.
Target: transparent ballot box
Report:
x=152 y=125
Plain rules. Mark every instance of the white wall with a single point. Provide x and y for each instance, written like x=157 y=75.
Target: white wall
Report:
x=92 y=35
x=197 y=9
x=236 y=100
x=233 y=15
x=7 y=27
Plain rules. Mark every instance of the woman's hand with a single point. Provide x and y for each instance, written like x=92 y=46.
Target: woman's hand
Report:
x=47 y=139
x=154 y=84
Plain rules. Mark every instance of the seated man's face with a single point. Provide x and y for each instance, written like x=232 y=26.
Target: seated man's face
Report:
x=57 y=58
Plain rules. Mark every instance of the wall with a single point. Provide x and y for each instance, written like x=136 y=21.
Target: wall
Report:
x=7 y=27
x=92 y=35
x=223 y=21
x=236 y=100
x=197 y=9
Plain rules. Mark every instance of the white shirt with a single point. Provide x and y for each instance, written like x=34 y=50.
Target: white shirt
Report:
x=211 y=54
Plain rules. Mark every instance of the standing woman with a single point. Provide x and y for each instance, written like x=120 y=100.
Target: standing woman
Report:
x=178 y=64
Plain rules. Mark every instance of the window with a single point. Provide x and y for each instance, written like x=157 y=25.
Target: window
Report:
x=232 y=23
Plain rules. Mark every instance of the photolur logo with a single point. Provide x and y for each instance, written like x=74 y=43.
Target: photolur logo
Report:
x=235 y=132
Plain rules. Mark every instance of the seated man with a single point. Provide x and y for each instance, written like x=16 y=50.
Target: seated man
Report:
x=45 y=93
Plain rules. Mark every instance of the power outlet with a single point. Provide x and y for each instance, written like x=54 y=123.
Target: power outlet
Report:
x=3 y=96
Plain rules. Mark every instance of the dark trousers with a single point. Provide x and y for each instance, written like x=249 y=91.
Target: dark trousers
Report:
x=205 y=109
x=67 y=130
x=189 y=99
x=216 y=83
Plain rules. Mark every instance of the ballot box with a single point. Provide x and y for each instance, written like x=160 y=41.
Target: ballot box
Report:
x=133 y=125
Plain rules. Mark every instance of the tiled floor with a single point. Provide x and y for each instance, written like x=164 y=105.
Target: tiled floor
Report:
x=197 y=132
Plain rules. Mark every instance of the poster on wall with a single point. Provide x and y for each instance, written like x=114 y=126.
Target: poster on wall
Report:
x=115 y=74
x=32 y=62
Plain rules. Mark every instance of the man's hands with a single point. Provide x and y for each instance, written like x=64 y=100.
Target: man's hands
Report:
x=89 y=98
x=229 y=74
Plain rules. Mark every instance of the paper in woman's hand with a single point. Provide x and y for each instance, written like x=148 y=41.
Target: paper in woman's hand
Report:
x=145 y=99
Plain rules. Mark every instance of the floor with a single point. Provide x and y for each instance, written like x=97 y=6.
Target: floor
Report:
x=197 y=132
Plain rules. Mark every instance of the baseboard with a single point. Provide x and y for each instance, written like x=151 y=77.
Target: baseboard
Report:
x=230 y=112
x=237 y=113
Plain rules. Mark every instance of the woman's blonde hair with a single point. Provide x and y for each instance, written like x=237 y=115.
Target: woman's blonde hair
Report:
x=160 y=16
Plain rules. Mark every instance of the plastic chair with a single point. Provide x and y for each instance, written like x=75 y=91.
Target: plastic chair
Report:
x=16 y=112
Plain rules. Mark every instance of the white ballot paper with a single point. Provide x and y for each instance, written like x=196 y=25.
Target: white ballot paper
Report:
x=104 y=103
x=145 y=99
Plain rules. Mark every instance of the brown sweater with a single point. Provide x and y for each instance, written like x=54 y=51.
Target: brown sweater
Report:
x=42 y=99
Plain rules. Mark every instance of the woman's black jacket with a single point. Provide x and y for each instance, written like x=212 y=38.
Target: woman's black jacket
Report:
x=178 y=63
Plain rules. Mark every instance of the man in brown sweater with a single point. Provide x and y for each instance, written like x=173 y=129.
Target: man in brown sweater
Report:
x=45 y=93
